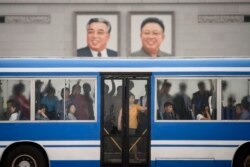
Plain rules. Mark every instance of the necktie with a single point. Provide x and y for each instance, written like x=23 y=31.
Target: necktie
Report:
x=99 y=54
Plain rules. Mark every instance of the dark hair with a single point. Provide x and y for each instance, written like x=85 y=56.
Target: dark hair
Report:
x=14 y=104
x=100 y=20
x=153 y=20
x=201 y=83
x=86 y=87
x=63 y=90
x=71 y=104
x=43 y=106
x=168 y=103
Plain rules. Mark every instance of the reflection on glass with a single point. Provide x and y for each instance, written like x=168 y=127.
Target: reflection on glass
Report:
x=16 y=95
x=235 y=101
x=112 y=121
x=189 y=99
x=112 y=105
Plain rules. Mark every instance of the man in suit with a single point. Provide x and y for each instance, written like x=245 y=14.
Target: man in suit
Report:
x=152 y=36
x=98 y=34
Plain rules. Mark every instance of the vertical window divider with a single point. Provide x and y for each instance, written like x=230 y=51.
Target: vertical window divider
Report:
x=32 y=99
x=219 y=99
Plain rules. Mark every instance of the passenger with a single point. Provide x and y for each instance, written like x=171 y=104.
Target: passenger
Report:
x=89 y=100
x=205 y=114
x=108 y=96
x=200 y=98
x=134 y=110
x=13 y=110
x=169 y=113
x=182 y=103
x=80 y=103
x=63 y=103
x=38 y=93
x=164 y=97
x=238 y=110
x=71 y=112
x=42 y=113
x=229 y=112
x=242 y=112
x=51 y=101
x=24 y=103
x=108 y=105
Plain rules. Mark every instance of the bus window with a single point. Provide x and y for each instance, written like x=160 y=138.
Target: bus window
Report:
x=235 y=101
x=65 y=99
x=82 y=100
x=47 y=95
x=186 y=99
x=14 y=100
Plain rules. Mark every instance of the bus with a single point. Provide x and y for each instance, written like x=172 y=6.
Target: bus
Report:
x=125 y=112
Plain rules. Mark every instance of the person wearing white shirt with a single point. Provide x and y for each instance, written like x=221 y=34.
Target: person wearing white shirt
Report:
x=13 y=109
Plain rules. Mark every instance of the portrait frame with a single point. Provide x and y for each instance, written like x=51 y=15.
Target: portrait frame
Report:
x=80 y=28
x=134 y=42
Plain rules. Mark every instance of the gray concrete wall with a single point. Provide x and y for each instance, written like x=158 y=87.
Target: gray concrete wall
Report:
x=191 y=39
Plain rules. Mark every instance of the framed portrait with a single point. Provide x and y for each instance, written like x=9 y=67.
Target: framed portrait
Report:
x=97 y=34
x=151 y=34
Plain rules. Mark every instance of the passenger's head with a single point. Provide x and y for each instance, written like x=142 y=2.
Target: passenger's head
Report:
x=131 y=98
x=98 y=34
x=119 y=90
x=223 y=85
x=168 y=107
x=42 y=108
x=18 y=89
x=152 y=35
x=51 y=91
x=183 y=87
x=38 y=85
x=86 y=87
x=201 y=86
x=76 y=89
x=13 y=106
x=238 y=108
x=245 y=103
x=65 y=92
x=231 y=100
x=205 y=108
x=71 y=108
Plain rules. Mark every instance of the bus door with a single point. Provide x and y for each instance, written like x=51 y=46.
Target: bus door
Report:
x=125 y=131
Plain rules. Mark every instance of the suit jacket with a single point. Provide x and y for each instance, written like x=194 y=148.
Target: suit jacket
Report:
x=143 y=53
x=85 y=52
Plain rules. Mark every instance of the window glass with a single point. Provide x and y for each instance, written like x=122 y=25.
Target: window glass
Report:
x=14 y=100
x=65 y=99
x=235 y=101
x=186 y=99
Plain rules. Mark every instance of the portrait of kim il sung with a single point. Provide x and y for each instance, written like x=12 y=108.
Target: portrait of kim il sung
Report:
x=151 y=34
x=97 y=35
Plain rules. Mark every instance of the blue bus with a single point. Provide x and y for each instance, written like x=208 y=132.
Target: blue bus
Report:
x=125 y=112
